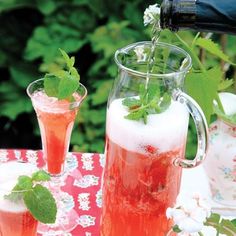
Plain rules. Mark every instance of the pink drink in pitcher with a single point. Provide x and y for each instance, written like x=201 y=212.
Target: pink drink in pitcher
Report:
x=140 y=180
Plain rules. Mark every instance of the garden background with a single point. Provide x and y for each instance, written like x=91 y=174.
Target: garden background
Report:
x=31 y=31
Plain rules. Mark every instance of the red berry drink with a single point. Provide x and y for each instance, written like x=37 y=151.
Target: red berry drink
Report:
x=140 y=181
x=56 y=120
x=15 y=219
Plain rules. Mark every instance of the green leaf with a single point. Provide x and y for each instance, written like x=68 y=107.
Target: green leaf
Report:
x=225 y=84
x=203 y=88
x=228 y=118
x=22 y=74
x=153 y=92
x=46 y=6
x=213 y=48
x=67 y=86
x=75 y=73
x=41 y=204
x=13 y=100
x=131 y=103
x=46 y=40
x=66 y=57
x=72 y=62
x=142 y=93
x=222 y=226
x=51 y=84
x=176 y=229
x=165 y=102
x=136 y=115
x=40 y=175
x=24 y=184
x=227 y=228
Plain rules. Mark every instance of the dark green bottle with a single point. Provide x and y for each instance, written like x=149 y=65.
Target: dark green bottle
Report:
x=201 y=15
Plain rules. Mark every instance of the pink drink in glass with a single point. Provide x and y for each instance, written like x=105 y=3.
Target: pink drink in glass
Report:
x=15 y=219
x=56 y=119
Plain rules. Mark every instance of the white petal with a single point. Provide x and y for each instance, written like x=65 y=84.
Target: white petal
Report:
x=199 y=215
x=190 y=226
x=178 y=216
x=169 y=212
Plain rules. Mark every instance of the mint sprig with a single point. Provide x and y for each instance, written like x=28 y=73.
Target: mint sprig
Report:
x=37 y=198
x=148 y=102
x=64 y=82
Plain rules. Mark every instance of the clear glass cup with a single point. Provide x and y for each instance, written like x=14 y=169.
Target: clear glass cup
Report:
x=144 y=162
x=56 y=119
x=15 y=219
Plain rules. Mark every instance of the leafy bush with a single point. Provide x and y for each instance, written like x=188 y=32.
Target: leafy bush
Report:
x=31 y=33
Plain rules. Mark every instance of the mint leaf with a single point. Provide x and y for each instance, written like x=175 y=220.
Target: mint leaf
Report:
x=67 y=87
x=51 y=83
x=149 y=102
x=41 y=204
x=165 y=102
x=38 y=199
x=71 y=62
x=40 y=175
x=153 y=92
x=66 y=57
x=136 y=115
x=131 y=103
x=63 y=83
x=24 y=183
x=75 y=73
x=142 y=93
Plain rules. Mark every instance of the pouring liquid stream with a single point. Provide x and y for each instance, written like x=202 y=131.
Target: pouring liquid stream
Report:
x=155 y=35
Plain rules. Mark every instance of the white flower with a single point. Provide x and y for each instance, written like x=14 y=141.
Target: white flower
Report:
x=189 y=213
x=151 y=14
x=139 y=51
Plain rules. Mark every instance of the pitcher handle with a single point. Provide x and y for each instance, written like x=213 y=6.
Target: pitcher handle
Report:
x=201 y=128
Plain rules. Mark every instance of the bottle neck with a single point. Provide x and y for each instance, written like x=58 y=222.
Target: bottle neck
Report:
x=201 y=15
x=177 y=14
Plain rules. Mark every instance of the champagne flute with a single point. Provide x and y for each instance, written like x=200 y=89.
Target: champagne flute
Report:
x=56 y=119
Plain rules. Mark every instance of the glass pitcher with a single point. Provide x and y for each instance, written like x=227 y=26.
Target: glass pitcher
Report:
x=143 y=167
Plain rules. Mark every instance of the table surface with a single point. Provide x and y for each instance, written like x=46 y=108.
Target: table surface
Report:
x=83 y=185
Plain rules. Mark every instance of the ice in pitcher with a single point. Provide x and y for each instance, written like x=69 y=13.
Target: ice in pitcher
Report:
x=140 y=180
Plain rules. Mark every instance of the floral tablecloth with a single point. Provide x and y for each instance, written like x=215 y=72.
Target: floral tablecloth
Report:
x=82 y=187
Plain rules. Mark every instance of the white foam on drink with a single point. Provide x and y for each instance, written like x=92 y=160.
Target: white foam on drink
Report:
x=164 y=131
x=9 y=173
x=228 y=101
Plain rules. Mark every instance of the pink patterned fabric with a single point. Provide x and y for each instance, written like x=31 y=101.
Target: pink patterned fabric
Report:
x=82 y=185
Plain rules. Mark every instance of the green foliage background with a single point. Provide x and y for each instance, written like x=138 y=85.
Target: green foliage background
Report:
x=31 y=31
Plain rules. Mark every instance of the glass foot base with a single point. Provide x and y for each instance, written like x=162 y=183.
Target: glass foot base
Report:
x=65 y=223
